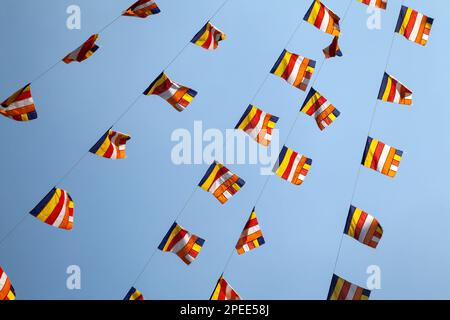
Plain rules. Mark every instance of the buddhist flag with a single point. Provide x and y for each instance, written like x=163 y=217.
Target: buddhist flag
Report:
x=333 y=49
x=341 y=289
x=223 y=291
x=317 y=106
x=414 y=26
x=84 y=51
x=6 y=289
x=292 y=166
x=208 y=37
x=394 y=91
x=295 y=69
x=176 y=95
x=111 y=145
x=221 y=182
x=323 y=18
x=56 y=209
x=363 y=227
x=142 y=9
x=257 y=124
x=381 y=157
x=251 y=237
x=134 y=294
x=381 y=4
x=20 y=106
x=184 y=244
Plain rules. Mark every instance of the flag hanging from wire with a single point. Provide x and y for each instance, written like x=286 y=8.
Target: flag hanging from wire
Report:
x=295 y=69
x=56 y=209
x=394 y=91
x=176 y=95
x=381 y=157
x=7 y=291
x=142 y=9
x=20 y=105
x=111 y=145
x=184 y=244
x=323 y=18
x=414 y=25
x=341 y=289
x=363 y=227
x=134 y=294
x=257 y=124
x=208 y=37
x=223 y=291
x=317 y=106
x=84 y=51
x=381 y=4
x=292 y=166
x=221 y=182
x=333 y=49
x=251 y=237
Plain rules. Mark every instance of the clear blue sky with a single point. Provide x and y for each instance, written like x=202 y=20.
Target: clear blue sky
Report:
x=124 y=208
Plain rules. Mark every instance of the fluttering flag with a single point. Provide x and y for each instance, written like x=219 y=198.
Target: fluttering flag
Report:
x=20 y=106
x=56 y=209
x=341 y=289
x=208 y=37
x=142 y=9
x=84 y=51
x=292 y=166
x=111 y=145
x=221 y=182
x=134 y=294
x=176 y=95
x=394 y=91
x=223 y=291
x=6 y=289
x=295 y=69
x=257 y=124
x=381 y=4
x=363 y=227
x=333 y=49
x=251 y=237
x=381 y=157
x=184 y=244
x=414 y=25
x=323 y=18
x=317 y=106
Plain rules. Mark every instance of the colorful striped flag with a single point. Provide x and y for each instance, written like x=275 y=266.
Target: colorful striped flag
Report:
x=111 y=145
x=333 y=49
x=394 y=91
x=20 y=106
x=295 y=69
x=341 y=289
x=6 y=289
x=317 y=106
x=184 y=244
x=251 y=237
x=221 y=182
x=176 y=95
x=223 y=291
x=142 y=9
x=363 y=227
x=56 y=209
x=134 y=294
x=292 y=166
x=84 y=51
x=414 y=25
x=257 y=124
x=208 y=37
x=381 y=157
x=382 y=4
x=323 y=18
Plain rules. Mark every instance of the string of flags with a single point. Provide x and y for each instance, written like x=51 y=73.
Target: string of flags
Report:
x=57 y=207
